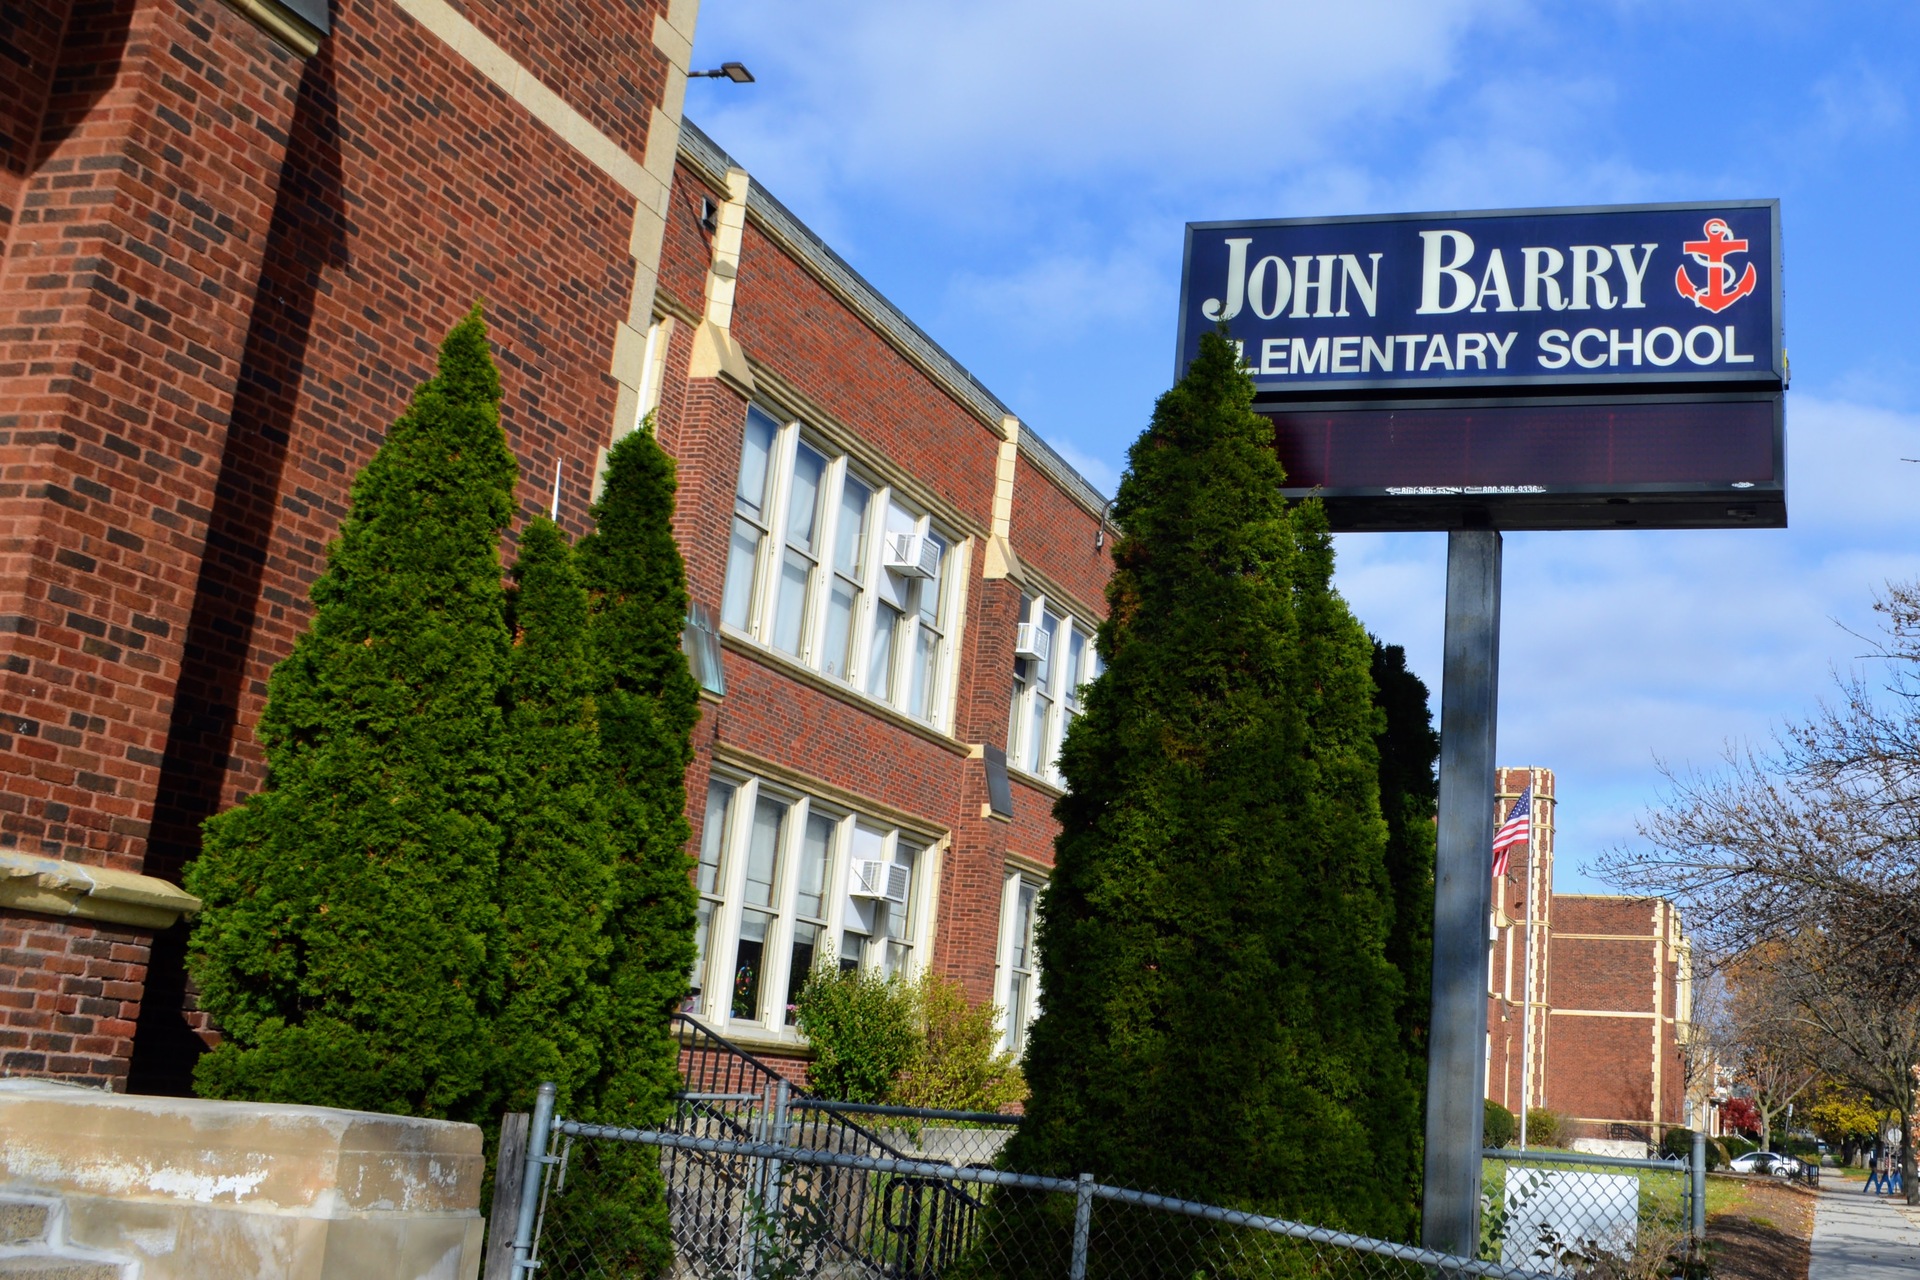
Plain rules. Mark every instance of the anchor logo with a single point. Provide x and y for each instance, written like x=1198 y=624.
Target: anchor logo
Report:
x=1720 y=291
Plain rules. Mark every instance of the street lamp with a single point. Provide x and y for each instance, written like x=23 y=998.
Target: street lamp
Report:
x=734 y=71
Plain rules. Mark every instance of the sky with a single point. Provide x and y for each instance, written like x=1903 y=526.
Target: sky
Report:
x=1016 y=177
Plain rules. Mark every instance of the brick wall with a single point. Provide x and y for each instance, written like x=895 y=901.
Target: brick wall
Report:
x=69 y=992
x=226 y=269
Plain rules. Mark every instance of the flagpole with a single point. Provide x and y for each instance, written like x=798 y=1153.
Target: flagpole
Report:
x=1526 y=986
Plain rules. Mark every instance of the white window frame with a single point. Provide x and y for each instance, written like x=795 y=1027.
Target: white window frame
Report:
x=1061 y=696
x=874 y=579
x=1010 y=981
x=718 y=969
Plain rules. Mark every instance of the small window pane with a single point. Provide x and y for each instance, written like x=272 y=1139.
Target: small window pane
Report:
x=926 y=664
x=1023 y=925
x=713 y=834
x=702 y=931
x=750 y=963
x=886 y=621
x=803 y=507
x=763 y=850
x=736 y=606
x=810 y=895
x=1035 y=742
x=806 y=946
x=750 y=497
x=789 y=617
x=850 y=535
x=841 y=603
x=1076 y=666
x=1044 y=667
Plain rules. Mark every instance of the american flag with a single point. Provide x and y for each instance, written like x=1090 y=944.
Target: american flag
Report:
x=1517 y=829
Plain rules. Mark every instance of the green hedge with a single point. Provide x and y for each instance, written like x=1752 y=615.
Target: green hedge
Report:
x=1497 y=1129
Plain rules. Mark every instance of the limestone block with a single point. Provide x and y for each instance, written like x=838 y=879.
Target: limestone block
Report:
x=201 y=1190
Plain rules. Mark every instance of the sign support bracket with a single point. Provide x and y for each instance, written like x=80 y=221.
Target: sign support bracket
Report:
x=1463 y=892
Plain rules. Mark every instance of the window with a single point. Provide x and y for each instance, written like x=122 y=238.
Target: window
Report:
x=1054 y=661
x=786 y=881
x=1019 y=967
x=855 y=585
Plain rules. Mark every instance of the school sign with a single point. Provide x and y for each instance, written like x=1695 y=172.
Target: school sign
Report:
x=1569 y=368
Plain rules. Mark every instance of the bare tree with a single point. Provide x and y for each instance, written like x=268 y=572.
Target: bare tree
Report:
x=1860 y=999
x=1767 y=1045
x=1801 y=862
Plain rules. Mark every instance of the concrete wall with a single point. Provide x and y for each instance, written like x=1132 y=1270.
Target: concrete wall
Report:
x=196 y=1190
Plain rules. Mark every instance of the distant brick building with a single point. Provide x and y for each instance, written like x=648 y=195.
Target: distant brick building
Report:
x=234 y=235
x=1610 y=998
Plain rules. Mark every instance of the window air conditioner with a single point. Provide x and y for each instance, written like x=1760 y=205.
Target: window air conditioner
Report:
x=1030 y=642
x=872 y=878
x=912 y=555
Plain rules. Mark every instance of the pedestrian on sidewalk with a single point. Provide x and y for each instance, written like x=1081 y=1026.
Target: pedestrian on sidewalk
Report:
x=1876 y=1173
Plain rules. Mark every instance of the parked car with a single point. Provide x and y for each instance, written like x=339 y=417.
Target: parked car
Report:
x=1769 y=1162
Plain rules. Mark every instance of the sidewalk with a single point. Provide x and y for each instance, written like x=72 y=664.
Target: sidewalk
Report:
x=1862 y=1237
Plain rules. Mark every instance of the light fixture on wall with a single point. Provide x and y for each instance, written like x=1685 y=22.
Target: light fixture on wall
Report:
x=734 y=71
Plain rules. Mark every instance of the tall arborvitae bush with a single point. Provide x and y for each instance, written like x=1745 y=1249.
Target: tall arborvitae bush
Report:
x=556 y=875
x=344 y=943
x=1219 y=1018
x=647 y=703
x=1409 y=800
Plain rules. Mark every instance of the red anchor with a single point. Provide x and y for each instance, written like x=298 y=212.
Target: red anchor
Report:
x=1711 y=253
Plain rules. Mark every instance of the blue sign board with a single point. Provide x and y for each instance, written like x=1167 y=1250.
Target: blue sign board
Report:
x=1598 y=299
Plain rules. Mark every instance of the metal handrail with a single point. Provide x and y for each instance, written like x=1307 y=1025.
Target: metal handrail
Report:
x=808 y=1103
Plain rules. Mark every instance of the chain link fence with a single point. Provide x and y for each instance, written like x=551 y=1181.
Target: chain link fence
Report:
x=1567 y=1213
x=758 y=1209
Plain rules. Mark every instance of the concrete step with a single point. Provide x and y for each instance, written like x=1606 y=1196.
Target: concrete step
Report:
x=23 y=1221
x=47 y=1266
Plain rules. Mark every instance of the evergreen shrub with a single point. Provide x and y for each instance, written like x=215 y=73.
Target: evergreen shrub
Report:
x=1498 y=1127
x=1221 y=1018
x=346 y=943
x=1409 y=801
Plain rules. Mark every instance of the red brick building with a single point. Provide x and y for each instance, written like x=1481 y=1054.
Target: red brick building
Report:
x=1609 y=1000
x=235 y=231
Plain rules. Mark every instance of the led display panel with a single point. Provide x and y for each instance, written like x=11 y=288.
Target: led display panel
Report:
x=1533 y=463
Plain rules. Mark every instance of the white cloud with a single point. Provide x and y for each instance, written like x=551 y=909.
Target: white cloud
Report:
x=961 y=97
x=1096 y=471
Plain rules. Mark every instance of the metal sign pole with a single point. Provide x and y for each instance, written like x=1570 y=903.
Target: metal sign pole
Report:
x=1463 y=889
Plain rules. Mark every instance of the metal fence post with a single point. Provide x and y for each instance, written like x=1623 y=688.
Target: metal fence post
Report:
x=1082 y=1222
x=539 y=1137
x=774 y=1197
x=1699 y=1176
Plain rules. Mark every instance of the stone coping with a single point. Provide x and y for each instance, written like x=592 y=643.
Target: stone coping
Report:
x=54 y=887
x=315 y=1162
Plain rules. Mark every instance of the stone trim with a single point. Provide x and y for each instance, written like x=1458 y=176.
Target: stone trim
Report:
x=49 y=886
x=773 y=391
x=730 y=756
x=885 y=319
x=288 y=28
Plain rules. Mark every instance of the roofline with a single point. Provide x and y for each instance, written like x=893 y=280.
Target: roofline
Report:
x=892 y=324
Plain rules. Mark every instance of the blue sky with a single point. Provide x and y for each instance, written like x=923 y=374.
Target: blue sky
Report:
x=1015 y=175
